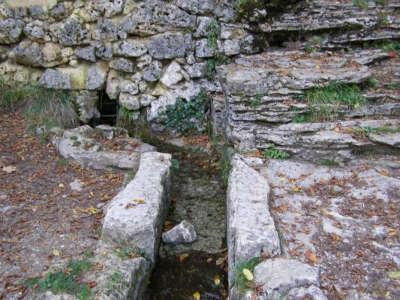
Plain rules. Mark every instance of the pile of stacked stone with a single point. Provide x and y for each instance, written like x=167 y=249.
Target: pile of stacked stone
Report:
x=144 y=54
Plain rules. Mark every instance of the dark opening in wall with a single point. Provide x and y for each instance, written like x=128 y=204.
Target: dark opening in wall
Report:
x=108 y=109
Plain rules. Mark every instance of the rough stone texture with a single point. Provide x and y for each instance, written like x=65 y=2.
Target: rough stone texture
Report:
x=262 y=101
x=88 y=147
x=10 y=31
x=184 y=232
x=251 y=230
x=169 y=45
x=135 y=215
x=279 y=275
x=328 y=215
x=133 y=274
x=390 y=139
x=87 y=103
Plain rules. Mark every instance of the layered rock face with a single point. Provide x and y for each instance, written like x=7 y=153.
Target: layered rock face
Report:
x=280 y=97
x=145 y=54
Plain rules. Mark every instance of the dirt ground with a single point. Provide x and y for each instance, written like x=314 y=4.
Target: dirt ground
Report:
x=43 y=221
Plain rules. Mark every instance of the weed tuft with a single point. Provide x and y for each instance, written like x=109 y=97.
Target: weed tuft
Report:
x=213 y=31
x=43 y=108
x=67 y=281
x=324 y=102
x=256 y=101
x=272 y=152
x=125 y=253
x=212 y=63
x=363 y=4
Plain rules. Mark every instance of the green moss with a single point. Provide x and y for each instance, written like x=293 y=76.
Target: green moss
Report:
x=67 y=281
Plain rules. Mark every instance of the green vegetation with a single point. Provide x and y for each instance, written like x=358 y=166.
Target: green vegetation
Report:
x=381 y=2
x=361 y=3
x=328 y=163
x=175 y=165
x=247 y=8
x=218 y=60
x=115 y=281
x=256 y=101
x=391 y=47
x=324 y=102
x=303 y=118
x=42 y=107
x=241 y=282
x=125 y=253
x=314 y=44
x=213 y=31
x=225 y=163
x=272 y=152
x=186 y=116
x=67 y=281
x=393 y=86
x=364 y=132
x=125 y=117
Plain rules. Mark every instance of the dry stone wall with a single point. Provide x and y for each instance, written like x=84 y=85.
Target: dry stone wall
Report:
x=144 y=54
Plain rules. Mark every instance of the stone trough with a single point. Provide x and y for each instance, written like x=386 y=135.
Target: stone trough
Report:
x=133 y=220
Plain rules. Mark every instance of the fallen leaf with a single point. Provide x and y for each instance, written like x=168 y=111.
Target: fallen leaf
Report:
x=139 y=201
x=56 y=252
x=196 y=295
x=394 y=274
x=9 y=169
x=392 y=232
x=310 y=256
x=183 y=257
x=217 y=280
x=220 y=260
x=247 y=274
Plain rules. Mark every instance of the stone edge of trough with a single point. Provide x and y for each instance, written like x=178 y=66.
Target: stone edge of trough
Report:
x=147 y=216
x=252 y=234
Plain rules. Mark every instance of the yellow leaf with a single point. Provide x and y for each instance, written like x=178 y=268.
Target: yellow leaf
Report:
x=61 y=185
x=394 y=274
x=247 y=274
x=92 y=210
x=56 y=252
x=196 y=296
x=9 y=169
x=217 y=280
x=139 y=201
x=183 y=257
x=295 y=189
